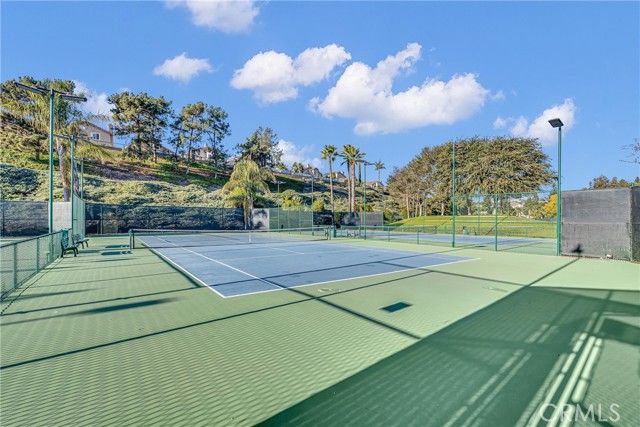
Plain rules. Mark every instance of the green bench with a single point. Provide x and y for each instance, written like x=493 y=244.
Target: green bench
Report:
x=80 y=241
x=67 y=246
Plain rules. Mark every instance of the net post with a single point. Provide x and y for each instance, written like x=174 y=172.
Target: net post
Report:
x=131 y=239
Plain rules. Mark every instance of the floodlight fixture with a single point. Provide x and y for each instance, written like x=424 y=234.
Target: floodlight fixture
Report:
x=556 y=123
x=34 y=89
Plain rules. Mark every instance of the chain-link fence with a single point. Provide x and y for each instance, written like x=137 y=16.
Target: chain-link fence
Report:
x=112 y=219
x=21 y=259
x=501 y=222
x=514 y=222
x=301 y=217
x=78 y=217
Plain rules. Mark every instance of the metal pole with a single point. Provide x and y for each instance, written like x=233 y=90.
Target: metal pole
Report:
x=66 y=96
x=478 y=207
x=559 y=204
x=383 y=208
x=453 y=199
x=279 y=205
x=51 y=129
x=73 y=181
x=424 y=196
x=82 y=178
x=312 y=180
x=364 y=192
x=495 y=225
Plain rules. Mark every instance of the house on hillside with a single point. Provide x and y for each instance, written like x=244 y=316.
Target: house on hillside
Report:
x=98 y=135
x=315 y=172
x=203 y=153
x=374 y=184
x=338 y=177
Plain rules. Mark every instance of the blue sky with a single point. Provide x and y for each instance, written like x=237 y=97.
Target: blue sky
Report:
x=387 y=77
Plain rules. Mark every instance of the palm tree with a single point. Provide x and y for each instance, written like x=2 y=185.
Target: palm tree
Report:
x=297 y=167
x=379 y=166
x=351 y=156
x=246 y=183
x=330 y=153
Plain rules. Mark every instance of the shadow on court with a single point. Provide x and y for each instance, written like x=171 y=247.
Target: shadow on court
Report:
x=494 y=368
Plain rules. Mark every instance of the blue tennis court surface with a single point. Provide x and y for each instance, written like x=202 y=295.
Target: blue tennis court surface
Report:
x=237 y=270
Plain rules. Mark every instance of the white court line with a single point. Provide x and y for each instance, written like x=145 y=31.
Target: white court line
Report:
x=223 y=264
x=396 y=251
x=315 y=283
x=354 y=278
x=319 y=254
x=286 y=250
x=236 y=269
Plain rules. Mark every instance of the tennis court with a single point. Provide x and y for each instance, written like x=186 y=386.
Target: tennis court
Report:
x=230 y=265
x=364 y=333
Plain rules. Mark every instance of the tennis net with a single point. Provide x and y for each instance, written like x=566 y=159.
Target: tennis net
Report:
x=167 y=238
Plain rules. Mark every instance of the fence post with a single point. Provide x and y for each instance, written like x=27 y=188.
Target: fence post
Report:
x=495 y=227
x=38 y=255
x=15 y=266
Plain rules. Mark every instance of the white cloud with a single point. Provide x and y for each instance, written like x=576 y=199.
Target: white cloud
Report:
x=275 y=77
x=498 y=96
x=292 y=153
x=96 y=102
x=540 y=127
x=182 y=68
x=365 y=94
x=229 y=16
x=499 y=123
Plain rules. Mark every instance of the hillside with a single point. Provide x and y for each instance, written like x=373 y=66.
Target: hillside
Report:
x=119 y=181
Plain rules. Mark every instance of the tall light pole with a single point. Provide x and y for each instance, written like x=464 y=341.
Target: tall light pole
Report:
x=364 y=193
x=557 y=123
x=66 y=96
x=82 y=178
x=312 y=180
x=279 y=202
x=453 y=198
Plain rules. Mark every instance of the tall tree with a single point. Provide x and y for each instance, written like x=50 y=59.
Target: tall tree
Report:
x=217 y=128
x=379 y=166
x=142 y=118
x=485 y=165
x=24 y=117
x=329 y=153
x=261 y=147
x=246 y=183
x=191 y=123
x=604 y=182
x=351 y=156
x=501 y=165
x=27 y=117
